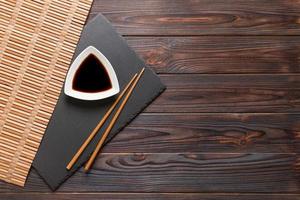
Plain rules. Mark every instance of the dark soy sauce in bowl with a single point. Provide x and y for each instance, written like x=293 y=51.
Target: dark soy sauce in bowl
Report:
x=91 y=76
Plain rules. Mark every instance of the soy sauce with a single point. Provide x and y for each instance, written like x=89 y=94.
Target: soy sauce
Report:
x=91 y=76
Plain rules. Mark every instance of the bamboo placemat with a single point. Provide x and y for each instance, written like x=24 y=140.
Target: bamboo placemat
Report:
x=38 y=39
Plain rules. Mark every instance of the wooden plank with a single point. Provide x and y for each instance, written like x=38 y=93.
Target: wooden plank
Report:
x=178 y=172
x=232 y=133
x=228 y=93
x=216 y=55
x=146 y=196
x=227 y=100
x=235 y=81
x=201 y=17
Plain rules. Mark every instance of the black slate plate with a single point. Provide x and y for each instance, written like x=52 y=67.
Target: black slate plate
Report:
x=73 y=119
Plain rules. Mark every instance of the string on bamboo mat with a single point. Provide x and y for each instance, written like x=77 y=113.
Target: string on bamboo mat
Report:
x=37 y=42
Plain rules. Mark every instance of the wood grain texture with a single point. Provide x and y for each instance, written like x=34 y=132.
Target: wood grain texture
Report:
x=238 y=81
x=227 y=100
x=181 y=172
x=228 y=93
x=201 y=17
x=146 y=196
x=217 y=55
x=232 y=133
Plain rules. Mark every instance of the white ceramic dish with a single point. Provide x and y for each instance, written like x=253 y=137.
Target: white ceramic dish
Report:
x=68 y=90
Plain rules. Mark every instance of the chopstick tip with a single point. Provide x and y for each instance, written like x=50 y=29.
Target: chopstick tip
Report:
x=141 y=72
x=86 y=169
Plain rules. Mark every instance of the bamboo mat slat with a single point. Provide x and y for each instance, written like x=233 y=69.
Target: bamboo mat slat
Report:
x=37 y=41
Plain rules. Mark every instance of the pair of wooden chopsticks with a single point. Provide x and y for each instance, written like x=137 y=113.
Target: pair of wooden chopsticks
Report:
x=131 y=85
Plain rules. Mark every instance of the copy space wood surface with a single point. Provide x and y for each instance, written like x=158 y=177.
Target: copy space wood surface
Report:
x=228 y=125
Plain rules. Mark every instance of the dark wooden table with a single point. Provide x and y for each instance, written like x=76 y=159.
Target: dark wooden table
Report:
x=227 y=127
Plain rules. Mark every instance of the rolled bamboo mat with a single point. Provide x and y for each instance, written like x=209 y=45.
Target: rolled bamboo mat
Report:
x=37 y=42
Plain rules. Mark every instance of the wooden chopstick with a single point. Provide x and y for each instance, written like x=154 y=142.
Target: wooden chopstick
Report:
x=99 y=125
x=111 y=124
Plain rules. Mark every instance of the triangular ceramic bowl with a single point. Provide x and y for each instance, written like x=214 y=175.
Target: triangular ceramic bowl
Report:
x=68 y=90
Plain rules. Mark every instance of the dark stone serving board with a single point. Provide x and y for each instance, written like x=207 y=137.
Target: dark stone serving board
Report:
x=73 y=120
